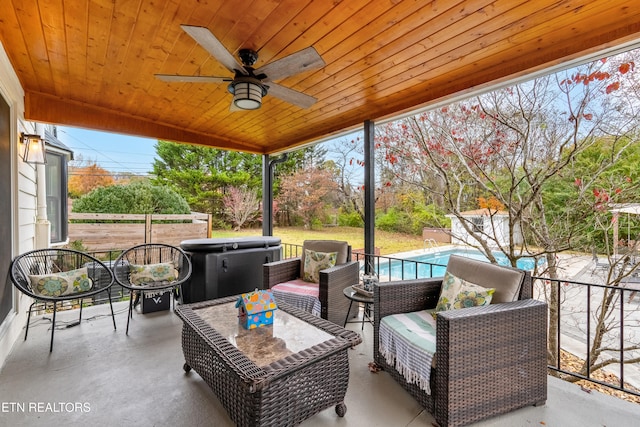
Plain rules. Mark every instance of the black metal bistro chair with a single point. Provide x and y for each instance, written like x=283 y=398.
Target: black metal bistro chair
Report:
x=151 y=268
x=54 y=276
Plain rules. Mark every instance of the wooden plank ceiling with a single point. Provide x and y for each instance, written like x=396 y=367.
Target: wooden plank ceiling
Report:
x=91 y=63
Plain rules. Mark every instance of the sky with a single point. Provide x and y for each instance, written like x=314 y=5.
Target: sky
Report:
x=113 y=152
x=117 y=153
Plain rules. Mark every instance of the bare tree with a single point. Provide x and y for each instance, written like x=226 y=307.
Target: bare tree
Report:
x=513 y=146
x=241 y=205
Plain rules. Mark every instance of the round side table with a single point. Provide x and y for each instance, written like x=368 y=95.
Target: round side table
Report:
x=351 y=293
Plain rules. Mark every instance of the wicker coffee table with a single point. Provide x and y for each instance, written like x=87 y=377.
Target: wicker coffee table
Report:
x=277 y=375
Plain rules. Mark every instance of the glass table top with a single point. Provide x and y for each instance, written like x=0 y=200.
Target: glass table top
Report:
x=266 y=344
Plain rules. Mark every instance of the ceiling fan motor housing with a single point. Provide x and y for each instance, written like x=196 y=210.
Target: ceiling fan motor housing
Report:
x=246 y=79
x=248 y=57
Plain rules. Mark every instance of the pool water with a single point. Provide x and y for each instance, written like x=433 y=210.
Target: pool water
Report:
x=396 y=268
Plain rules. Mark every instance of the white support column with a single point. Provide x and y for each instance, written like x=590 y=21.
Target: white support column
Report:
x=43 y=226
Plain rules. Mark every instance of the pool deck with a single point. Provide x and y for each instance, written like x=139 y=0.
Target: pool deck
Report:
x=431 y=250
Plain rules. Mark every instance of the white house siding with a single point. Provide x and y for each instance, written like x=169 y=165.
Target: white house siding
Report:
x=23 y=200
x=501 y=222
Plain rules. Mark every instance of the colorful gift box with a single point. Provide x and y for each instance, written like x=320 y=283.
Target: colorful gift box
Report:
x=256 y=309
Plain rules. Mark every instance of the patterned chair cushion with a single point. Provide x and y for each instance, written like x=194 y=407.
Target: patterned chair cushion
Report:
x=341 y=247
x=457 y=293
x=152 y=273
x=314 y=262
x=63 y=283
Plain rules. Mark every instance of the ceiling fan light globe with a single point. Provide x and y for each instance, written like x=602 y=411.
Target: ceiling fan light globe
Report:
x=247 y=95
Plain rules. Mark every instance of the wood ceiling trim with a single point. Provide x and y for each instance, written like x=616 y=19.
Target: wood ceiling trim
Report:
x=51 y=109
x=446 y=86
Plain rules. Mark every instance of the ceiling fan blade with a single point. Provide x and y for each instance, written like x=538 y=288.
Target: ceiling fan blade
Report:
x=303 y=60
x=207 y=40
x=192 y=79
x=291 y=96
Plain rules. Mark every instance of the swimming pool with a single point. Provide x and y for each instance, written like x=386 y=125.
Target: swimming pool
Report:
x=406 y=268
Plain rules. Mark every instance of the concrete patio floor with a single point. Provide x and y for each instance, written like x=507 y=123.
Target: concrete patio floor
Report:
x=100 y=377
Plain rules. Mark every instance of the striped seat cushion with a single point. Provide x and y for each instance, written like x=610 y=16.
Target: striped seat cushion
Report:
x=300 y=294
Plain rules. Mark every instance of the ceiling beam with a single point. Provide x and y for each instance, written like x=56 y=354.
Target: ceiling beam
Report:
x=45 y=108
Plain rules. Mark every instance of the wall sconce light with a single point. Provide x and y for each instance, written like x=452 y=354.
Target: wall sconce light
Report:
x=33 y=148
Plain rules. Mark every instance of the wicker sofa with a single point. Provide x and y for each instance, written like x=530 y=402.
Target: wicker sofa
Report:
x=488 y=360
x=332 y=281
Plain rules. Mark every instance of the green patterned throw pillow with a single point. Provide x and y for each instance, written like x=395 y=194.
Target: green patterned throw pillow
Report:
x=457 y=293
x=450 y=286
x=61 y=284
x=316 y=261
x=471 y=295
x=152 y=273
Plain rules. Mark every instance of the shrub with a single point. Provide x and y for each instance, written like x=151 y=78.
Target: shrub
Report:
x=400 y=221
x=350 y=219
x=134 y=198
x=394 y=221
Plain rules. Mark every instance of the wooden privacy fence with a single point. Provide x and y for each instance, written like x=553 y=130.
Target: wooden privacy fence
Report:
x=126 y=230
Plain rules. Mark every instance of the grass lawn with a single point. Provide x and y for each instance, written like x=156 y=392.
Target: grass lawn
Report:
x=389 y=243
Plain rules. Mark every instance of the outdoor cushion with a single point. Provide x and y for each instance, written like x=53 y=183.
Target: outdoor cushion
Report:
x=506 y=282
x=152 y=273
x=471 y=295
x=450 y=287
x=62 y=283
x=316 y=261
x=342 y=249
x=300 y=294
x=457 y=293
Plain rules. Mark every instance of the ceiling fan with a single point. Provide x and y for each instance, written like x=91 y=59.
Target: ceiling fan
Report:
x=249 y=85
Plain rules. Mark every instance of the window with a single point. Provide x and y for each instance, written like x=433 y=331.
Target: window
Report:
x=478 y=223
x=56 y=177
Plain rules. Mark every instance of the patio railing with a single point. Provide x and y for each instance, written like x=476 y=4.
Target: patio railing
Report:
x=577 y=310
x=585 y=310
x=385 y=267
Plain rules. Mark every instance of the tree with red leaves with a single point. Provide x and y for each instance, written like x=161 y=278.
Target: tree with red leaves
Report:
x=306 y=193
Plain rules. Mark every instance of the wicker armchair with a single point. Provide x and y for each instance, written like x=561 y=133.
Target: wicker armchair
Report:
x=488 y=360
x=332 y=281
x=56 y=276
x=151 y=268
